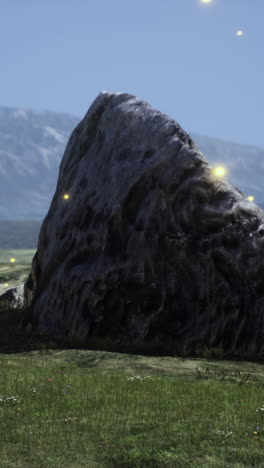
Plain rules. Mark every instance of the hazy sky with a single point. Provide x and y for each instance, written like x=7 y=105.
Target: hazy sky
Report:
x=181 y=56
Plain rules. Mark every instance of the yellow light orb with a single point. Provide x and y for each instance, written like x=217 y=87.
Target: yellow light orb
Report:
x=206 y=1
x=239 y=32
x=219 y=171
x=6 y=284
x=12 y=260
x=66 y=196
x=250 y=198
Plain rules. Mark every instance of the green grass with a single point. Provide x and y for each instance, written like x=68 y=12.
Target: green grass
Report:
x=59 y=416
x=22 y=256
x=65 y=415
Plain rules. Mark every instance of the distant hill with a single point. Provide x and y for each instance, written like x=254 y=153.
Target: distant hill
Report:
x=19 y=234
x=32 y=144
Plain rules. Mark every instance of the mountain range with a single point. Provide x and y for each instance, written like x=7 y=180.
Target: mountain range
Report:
x=32 y=144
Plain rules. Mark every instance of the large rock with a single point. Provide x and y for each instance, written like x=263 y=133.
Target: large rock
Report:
x=14 y=297
x=150 y=243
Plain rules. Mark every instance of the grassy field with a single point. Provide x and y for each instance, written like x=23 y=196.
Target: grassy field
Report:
x=89 y=403
x=23 y=257
x=13 y=273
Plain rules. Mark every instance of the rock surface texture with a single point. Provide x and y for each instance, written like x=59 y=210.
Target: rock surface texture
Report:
x=14 y=297
x=149 y=244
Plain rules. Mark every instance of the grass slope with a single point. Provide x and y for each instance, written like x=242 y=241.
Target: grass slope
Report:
x=89 y=403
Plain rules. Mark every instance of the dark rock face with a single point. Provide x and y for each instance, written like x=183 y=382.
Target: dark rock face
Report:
x=149 y=243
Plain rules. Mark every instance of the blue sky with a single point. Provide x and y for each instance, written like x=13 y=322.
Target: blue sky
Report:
x=181 y=56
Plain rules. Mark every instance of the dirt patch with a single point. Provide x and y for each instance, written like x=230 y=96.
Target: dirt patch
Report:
x=129 y=364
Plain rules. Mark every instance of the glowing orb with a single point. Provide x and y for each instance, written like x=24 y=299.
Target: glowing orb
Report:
x=206 y=1
x=219 y=171
x=239 y=32
x=250 y=198
x=6 y=284
x=66 y=196
x=12 y=260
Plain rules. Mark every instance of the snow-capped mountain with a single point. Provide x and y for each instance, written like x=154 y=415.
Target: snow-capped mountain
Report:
x=244 y=164
x=32 y=144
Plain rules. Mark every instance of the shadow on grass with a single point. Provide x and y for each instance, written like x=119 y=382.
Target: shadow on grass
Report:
x=14 y=341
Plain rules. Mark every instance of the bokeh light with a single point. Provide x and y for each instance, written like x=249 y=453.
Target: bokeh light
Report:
x=239 y=32
x=219 y=171
x=250 y=198
x=66 y=196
